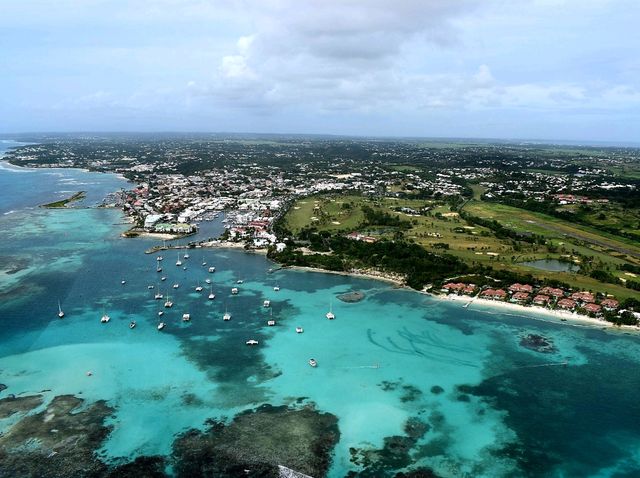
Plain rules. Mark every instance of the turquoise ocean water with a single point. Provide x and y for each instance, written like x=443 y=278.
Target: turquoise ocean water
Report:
x=492 y=407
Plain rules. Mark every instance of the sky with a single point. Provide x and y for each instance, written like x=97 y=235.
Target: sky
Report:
x=538 y=69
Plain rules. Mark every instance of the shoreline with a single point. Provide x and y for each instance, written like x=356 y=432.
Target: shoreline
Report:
x=563 y=317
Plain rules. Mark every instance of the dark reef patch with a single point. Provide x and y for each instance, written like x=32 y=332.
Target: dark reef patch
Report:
x=396 y=453
x=59 y=441
x=12 y=405
x=259 y=440
x=537 y=343
x=351 y=297
x=437 y=390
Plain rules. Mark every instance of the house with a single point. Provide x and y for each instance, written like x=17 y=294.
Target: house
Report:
x=494 y=294
x=541 y=299
x=520 y=297
x=469 y=289
x=556 y=293
x=610 y=304
x=567 y=304
x=584 y=297
x=520 y=288
x=453 y=287
x=592 y=308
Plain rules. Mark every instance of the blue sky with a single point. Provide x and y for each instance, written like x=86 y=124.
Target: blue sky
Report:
x=548 y=69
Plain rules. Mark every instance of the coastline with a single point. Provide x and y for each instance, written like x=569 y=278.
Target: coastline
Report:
x=563 y=317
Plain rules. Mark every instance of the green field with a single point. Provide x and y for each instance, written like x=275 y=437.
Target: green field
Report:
x=477 y=244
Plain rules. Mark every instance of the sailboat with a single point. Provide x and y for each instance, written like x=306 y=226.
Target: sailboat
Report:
x=168 y=304
x=227 y=315
x=276 y=288
x=60 y=313
x=158 y=295
x=186 y=255
x=211 y=294
x=330 y=315
x=105 y=318
x=178 y=262
x=199 y=287
x=271 y=322
x=204 y=263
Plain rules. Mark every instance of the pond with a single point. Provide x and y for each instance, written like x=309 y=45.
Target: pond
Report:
x=553 y=265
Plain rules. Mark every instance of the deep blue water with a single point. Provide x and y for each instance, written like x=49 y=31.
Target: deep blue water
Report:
x=493 y=407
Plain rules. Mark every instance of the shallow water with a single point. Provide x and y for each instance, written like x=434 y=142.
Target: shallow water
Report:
x=491 y=406
x=552 y=265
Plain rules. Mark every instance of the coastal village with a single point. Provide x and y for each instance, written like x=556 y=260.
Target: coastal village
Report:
x=253 y=187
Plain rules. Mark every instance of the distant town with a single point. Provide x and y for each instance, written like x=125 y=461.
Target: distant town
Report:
x=556 y=227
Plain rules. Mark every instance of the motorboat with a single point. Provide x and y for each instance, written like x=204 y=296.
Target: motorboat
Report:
x=105 y=318
x=161 y=325
x=251 y=342
x=186 y=317
x=299 y=330
x=163 y=279
x=132 y=324
x=123 y=282
x=313 y=362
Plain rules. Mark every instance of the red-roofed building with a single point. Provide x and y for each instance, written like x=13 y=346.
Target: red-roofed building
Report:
x=541 y=299
x=592 y=308
x=567 y=304
x=520 y=297
x=469 y=289
x=610 y=304
x=557 y=293
x=584 y=297
x=521 y=288
x=495 y=294
x=454 y=287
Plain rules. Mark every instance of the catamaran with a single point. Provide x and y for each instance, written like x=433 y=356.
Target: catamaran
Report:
x=186 y=317
x=251 y=342
x=266 y=303
x=330 y=315
x=105 y=318
x=212 y=269
x=168 y=304
x=227 y=315
x=234 y=291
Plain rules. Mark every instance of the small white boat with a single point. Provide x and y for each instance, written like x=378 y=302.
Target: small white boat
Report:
x=239 y=281
x=186 y=255
x=178 y=263
x=151 y=287
x=251 y=342
x=132 y=324
x=168 y=304
x=266 y=303
x=204 y=263
x=330 y=315
x=186 y=317
x=176 y=285
x=123 y=282
x=227 y=315
x=276 y=288
x=158 y=269
x=211 y=294
x=158 y=296
x=60 y=312
x=199 y=288
x=234 y=291
x=299 y=330
x=161 y=325
x=271 y=322
x=160 y=313
x=212 y=269
x=208 y=281
x=163 y=279
x=313 y=362
x=159 y=258
x=105 y=318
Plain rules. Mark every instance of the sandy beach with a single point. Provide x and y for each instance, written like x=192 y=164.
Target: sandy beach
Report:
x=365 y=274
